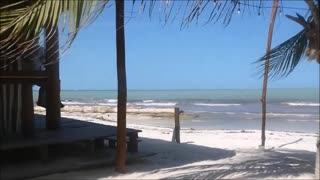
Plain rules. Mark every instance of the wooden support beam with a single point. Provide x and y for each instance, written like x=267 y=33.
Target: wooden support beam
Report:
x=27 y=111
x=22 y=74
x=133 y=143
x=90 y=146
x=44 y=153
x=317 y=166
x=23 y=77
x=52 y=89
x=99 y=143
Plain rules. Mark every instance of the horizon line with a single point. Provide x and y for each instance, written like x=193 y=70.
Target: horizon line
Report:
x=186 y=89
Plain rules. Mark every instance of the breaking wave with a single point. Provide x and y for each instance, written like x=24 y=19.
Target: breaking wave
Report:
x=208 y=104
x=167 y=104
x=301 y=104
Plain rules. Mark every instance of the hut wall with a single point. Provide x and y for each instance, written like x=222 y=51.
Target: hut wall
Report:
x=10 y=103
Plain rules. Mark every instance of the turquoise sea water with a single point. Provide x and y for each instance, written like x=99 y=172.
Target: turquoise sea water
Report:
x=227 y=94
x=288 y=109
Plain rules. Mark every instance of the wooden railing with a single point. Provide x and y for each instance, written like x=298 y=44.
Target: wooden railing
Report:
x=23 y=77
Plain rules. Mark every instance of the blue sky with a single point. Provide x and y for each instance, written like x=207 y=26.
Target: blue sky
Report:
x=164 y=57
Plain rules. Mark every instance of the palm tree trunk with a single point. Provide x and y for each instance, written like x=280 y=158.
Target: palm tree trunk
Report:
x=317 y=171
x=315 y=13
x=122 y=88
x=266 y=70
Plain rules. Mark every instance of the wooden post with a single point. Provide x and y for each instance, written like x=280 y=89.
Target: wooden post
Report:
x=176 y=131
x=52 y=88
x=44 y=153
x=133 y=143
x=266 y=71
x=317 y=167
x=122 y=88
x=99 y=143
x=27 y=110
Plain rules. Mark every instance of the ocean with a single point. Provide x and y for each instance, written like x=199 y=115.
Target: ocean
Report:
x=294 y=110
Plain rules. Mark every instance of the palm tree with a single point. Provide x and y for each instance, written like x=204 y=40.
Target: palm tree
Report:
x=284 y=58
x=122 y=88
x=265 y=77
x=21 y=22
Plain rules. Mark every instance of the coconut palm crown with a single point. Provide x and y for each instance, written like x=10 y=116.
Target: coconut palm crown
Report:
x=285 y=57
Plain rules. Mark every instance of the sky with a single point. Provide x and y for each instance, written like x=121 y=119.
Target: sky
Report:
x=161 y=56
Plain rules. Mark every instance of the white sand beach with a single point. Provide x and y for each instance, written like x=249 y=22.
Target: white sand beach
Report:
x=209 y=154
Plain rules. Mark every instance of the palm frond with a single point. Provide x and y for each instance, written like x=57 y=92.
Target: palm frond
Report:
x=47 y=13
x=193 y=10
x=284 y=58
x=23 y=20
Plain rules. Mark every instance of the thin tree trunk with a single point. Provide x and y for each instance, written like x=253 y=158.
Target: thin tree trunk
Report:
x=317 y=170
x=266 y=70
x=122 y=88
x=315 y=13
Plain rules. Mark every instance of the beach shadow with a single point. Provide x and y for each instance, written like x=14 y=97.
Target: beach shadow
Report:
x=158 y=156
x=163 y=157
x=272 y=164
x=293 y=142
x=172 y=154
x=153 y=155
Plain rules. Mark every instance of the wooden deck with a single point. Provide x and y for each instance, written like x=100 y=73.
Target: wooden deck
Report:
x=71 y=130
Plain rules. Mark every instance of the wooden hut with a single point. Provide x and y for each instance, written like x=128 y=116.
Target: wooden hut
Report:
x=18 y=128
x=17 y=79
x=16 y=101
